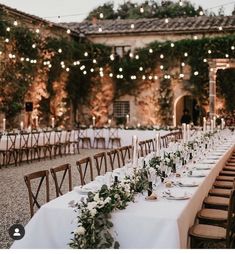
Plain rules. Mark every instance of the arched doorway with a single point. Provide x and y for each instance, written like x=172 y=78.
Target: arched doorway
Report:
x=185 y=102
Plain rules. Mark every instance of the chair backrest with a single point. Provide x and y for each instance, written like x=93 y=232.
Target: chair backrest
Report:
x=164 y=141
x=83 y=133
x=11 y=140
x=83 y=166
x=125 y=152
x=150 y=145
x=101 y=162
x=35 y=139
x=230 y=230
x=114 y=158
x=47 y=138
x=113 y=133
x=143 y=148
x=99 y=133
x=24 y=140
x=39 y=178
x=57 y=137
x=59 y=173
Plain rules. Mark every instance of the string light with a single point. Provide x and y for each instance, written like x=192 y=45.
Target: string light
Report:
x=86 y=54
x=131 y=55
x=220 y=28
x=112 y=58
x=232 y=47
x=84 y=72
x=8 y=29
x=227 y=55
x=166 y=21
x=201 y=13
x=7 y=40
x=181 y=75
x=209 y=51
x=143 y=77
x=141 y=68
x=68 y=31
x=205 y=60
x=183 y=64
x=132 y=26
x=120 y=69
x=161 y=56
x=34 y=46
x=94 y=61
x=60 y=50
x=101 y=15
x=180 y=3
x=196 y=73
x=195 y=37
x=141 y=9
x=67 y=69
x=185 y=54
x=137 y=57
x=150 y=51
x=92 y=70
x=15 y=23
x=111 y=75
x=155 y=77
x=161 y=67
x=172 y=44
x=37 y=31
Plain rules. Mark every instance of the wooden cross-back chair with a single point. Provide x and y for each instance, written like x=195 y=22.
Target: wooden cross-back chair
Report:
x=10 y=150
x=59 y=174
x=125 y=152
x=150 y=145
x=114 y=158
x=47 y=144
x=57 y=144
x=99 y=138
x=34 y=147
x=143 y=148
x=84 y=166
x=114 y=138
x=23 y=148
x=85 y=139
x=208 y=236
x=40 y=177
x=101 y=163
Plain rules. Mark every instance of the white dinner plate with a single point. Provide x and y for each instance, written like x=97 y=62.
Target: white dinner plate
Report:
x=177 y=197
x=188 y=184
x=81 y=190
x=202 y=167
x=196 y=175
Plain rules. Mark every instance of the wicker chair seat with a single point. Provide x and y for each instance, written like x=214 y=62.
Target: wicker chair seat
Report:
x=223 y=184
x=225 y=178
x=220 y=192
x=208 y=232
x=213 y=214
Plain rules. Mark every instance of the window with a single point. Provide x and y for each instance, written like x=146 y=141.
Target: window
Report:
x=122 y=50
x=121 y=109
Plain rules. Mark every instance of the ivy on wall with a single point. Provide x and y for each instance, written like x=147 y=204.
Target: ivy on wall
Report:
x=81 y=61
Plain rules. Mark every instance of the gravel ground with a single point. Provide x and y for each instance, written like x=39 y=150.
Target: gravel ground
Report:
x=14 y=204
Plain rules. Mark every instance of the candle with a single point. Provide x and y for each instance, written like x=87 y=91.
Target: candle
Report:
x=36 y=122
x=188 y=132
x=53 y=122
x=135 y=152
x=93 y=120
x=127 y=119
x=21 y=125
x=222 y=123
x=214 y=122
x=204 y=124
x=109 y=122
x=4 y=124
x=138 y=125
x=184 y=132
x=157 y=145
x=212 y=125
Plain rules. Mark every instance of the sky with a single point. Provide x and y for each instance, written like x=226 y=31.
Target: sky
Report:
x=77 y=10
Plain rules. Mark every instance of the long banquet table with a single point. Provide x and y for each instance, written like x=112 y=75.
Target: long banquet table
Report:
x=143 y=224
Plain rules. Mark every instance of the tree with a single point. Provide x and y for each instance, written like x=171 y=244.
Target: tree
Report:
x=147 y=9
x=106 y=10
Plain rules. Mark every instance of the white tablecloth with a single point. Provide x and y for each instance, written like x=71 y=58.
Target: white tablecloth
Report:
x=143 y=224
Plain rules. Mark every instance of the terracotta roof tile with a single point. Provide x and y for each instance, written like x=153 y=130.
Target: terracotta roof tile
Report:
x=187 y=24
